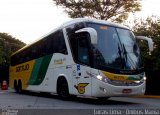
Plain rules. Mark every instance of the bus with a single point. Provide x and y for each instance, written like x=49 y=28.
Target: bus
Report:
x=83 y=57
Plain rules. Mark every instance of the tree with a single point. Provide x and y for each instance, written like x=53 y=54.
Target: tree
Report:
x=8 y=45
x=151 y=28
x=116 y=10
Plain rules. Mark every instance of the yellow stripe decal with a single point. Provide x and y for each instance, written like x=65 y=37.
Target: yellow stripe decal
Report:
x=22 y=72
x=119 y=77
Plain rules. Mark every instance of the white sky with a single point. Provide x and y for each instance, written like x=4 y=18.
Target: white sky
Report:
x=28 y=20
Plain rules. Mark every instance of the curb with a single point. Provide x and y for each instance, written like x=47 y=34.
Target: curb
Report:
x=148 y=96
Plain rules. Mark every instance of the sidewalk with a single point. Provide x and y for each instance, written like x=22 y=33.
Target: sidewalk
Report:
x=6 y=91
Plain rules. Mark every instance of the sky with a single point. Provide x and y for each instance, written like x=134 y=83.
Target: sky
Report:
x=29 y=20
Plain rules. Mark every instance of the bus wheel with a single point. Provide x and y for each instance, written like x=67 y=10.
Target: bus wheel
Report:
x=103 y=99
x=62 y=88
x=19 y=89
x=15 y=86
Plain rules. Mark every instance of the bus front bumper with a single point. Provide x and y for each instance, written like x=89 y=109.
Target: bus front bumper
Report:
x=102 y=89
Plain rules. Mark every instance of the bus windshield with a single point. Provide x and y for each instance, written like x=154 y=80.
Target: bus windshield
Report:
x=116 y=49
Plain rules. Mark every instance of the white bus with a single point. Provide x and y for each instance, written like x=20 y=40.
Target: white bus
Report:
x=83 y=57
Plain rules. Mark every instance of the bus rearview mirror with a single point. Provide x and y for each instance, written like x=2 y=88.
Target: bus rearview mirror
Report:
x=149 y=40
x=92 y=32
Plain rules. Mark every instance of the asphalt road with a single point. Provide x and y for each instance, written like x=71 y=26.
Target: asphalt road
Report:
x=42 y=101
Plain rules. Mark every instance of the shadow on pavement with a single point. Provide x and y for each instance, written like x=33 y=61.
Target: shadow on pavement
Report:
x=80 y=99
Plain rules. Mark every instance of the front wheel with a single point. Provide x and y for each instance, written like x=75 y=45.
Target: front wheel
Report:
x=62 y=89
x=103 y=99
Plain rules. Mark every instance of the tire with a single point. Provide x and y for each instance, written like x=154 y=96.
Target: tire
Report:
x=15 y=86
x=19 y=89
x=62 y=88
x=103 y=99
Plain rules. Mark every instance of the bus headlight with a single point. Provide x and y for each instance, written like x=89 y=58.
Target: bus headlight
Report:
x=99 y=77
x=142 y=80
x=102 y=78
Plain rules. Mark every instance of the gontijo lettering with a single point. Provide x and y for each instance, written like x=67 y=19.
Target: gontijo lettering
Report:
x=22 y=68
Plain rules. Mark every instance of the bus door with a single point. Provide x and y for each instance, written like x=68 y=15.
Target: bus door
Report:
x=82 y=80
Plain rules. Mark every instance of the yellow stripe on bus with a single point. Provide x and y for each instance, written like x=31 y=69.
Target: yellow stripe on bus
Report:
x=22 y=71
x=117 y=77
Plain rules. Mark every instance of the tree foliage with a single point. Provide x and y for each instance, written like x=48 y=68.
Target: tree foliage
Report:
x=8 y=45
x=116 y=10
x=151 y=28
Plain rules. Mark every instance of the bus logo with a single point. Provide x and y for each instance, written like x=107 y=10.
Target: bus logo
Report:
x=81 y=87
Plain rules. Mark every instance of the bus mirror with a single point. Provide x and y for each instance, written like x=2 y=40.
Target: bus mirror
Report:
x=149 y=40
x=92 y=32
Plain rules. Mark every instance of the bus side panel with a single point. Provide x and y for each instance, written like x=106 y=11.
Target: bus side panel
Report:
x=30 y=73
x=60 y=65
x=22 y=72
x=56 y=67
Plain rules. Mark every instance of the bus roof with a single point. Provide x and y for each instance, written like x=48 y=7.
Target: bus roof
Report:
x=77 y=20
x=73 y=21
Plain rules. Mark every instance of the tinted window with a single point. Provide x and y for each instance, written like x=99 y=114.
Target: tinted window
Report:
x=72 y=38
x=83 y=48
x=53 y=43
x=116 y=49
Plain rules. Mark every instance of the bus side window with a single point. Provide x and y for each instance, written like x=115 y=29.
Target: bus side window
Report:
x=72 y=38
x=59 y=43
x=53 y=43
x=49 y=44
x=83 y=48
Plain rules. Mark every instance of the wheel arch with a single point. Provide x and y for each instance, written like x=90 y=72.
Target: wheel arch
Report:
x=67 y=80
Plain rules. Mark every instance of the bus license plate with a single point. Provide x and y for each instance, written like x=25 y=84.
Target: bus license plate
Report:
x=127 y=91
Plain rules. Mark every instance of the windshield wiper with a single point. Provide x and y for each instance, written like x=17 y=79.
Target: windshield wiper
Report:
x=128 y=58
x=121 y=57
